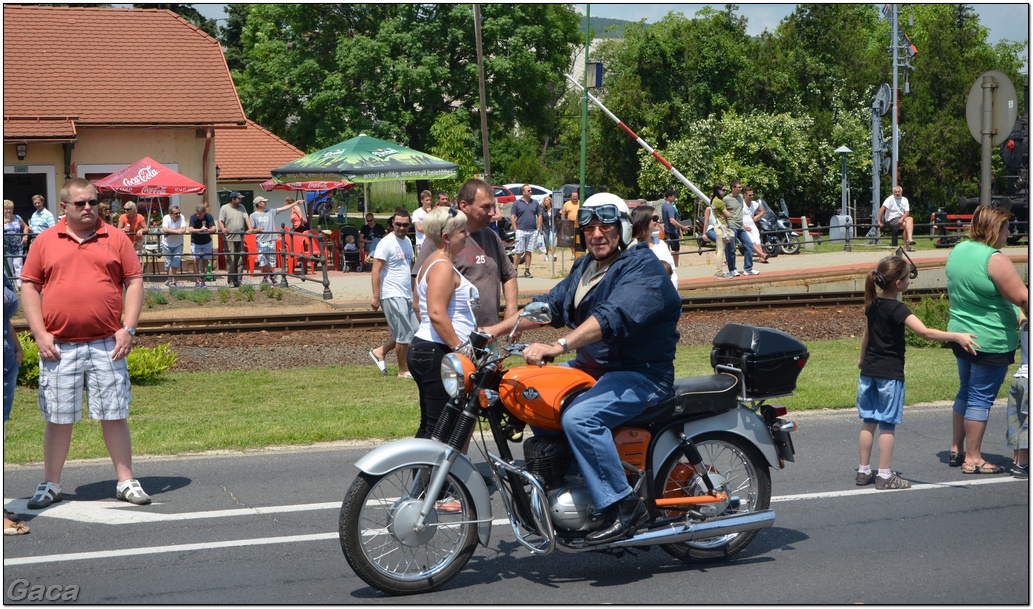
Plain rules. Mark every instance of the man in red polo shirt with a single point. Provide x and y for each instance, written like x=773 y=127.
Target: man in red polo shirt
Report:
x=72 y=297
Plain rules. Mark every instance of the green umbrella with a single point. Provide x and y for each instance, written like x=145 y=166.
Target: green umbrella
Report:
x=367 y=159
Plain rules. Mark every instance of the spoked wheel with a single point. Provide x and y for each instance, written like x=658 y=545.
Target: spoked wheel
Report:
x=791 y=245
x=736 y=468
x=384 y=546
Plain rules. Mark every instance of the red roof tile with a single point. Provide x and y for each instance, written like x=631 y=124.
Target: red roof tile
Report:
x=40 y=129
x=110 y=66
x=251 y=153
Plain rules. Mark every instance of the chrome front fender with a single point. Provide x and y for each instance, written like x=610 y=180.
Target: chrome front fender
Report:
x=419 y=451
x=740 y=421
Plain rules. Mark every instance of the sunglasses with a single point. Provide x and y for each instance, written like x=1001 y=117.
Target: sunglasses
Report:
x=607 y=214
x=401 y=225
x=656 y=218
x=92 y=203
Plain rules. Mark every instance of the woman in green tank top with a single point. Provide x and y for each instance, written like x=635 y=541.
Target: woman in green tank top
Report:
x=984 y=290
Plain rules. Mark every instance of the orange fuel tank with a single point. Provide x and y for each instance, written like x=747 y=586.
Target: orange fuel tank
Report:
x=536 y=395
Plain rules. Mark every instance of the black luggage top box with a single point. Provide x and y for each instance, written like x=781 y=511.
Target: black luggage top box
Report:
x=770 y=359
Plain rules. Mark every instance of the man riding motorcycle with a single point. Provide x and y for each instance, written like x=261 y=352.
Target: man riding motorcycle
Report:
x=624 y=312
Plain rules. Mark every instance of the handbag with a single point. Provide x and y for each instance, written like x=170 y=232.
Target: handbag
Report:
x=722 y=229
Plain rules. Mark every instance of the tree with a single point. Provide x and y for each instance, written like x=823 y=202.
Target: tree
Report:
x=939 y=159
x=661 y=77
x=453 y=141
x=316 y=74
x=229 y=35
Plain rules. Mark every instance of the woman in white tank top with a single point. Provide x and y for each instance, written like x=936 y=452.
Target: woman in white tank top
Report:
x=446 y=311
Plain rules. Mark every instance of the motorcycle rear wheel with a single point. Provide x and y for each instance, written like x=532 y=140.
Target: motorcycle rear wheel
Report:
x=746 y=476
x=791 y=245
x=378 y=539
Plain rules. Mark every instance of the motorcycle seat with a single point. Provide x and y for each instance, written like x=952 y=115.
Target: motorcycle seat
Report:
x=693 y=395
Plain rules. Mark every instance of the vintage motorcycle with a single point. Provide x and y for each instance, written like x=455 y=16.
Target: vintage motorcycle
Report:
x=700 y=460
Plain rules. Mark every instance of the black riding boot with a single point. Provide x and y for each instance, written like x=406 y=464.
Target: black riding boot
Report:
x=627 y=515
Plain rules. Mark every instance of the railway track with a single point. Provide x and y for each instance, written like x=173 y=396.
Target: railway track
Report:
x=364 y=320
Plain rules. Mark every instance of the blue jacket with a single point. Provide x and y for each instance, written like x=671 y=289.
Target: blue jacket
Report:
x=636 y=306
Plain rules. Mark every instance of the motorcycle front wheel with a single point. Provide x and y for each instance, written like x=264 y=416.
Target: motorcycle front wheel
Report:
x=791 y=245
x=383 y=545
x=737 y=468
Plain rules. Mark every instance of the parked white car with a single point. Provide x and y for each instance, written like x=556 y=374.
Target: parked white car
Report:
x=537 y=192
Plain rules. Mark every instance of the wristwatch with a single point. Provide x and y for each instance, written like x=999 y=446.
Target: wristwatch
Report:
x=563 y=343
x=131 y=331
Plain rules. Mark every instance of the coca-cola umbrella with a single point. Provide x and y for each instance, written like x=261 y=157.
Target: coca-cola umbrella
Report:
x=306 y=186
x=148 y=178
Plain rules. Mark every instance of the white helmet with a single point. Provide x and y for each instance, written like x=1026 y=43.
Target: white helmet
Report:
x=609 y=209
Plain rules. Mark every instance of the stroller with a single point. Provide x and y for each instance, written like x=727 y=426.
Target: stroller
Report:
x=351 y=260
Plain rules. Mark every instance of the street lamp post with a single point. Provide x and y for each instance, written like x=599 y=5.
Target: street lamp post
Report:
x=844 y=219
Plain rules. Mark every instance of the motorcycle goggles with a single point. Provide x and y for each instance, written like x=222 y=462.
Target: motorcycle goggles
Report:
x=607 y=214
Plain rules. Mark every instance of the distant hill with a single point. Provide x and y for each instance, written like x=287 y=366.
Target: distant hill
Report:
x=599 y=25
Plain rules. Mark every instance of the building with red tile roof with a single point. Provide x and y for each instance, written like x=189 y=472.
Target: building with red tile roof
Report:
x=88 y=91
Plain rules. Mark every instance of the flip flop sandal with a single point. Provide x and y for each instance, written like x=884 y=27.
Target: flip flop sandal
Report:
x=15 y=527
x=956 y=459
x=379 y=362
x=982 y=468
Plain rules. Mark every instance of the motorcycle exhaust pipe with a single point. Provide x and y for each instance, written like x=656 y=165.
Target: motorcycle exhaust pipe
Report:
x=715 y=527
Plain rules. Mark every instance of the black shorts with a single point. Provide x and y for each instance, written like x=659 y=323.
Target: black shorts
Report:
x=673 y=244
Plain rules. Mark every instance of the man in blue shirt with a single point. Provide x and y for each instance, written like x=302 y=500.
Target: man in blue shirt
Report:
x=526 y=217
x=672 y=224
x=623 y=311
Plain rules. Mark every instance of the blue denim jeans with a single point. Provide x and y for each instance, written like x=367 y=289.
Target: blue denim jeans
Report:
x=615 y=398
x=977 y=389
x=743 y=237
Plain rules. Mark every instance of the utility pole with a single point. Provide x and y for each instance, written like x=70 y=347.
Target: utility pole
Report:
x=484 y=101
x=584 y=104
x=896 y=101
x=902 y=52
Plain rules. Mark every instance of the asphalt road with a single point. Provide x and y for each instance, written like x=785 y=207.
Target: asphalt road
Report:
x=262 y=528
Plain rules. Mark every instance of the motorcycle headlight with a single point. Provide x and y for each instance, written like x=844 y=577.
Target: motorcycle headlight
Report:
x=456 y=373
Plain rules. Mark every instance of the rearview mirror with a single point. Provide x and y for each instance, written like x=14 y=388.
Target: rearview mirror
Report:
x=537 y=311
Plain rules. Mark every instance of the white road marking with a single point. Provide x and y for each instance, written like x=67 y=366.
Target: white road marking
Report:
x=871 y=490
x=112 y=514
x=189 y=547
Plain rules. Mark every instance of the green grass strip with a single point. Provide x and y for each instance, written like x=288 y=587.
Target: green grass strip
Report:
x=193 y=412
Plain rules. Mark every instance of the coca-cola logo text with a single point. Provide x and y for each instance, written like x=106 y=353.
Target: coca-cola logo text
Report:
x=153 y=190
x=145 y=173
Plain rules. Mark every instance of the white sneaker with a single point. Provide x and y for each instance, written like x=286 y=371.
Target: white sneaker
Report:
x=752 y=272
x=132 y=492
x=734 y=273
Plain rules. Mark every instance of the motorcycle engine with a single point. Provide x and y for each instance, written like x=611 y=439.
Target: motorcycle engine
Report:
x=570 y=503
x=572 y=508
x=548 y=457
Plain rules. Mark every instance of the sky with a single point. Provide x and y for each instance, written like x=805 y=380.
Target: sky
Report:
x=1005 y=21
